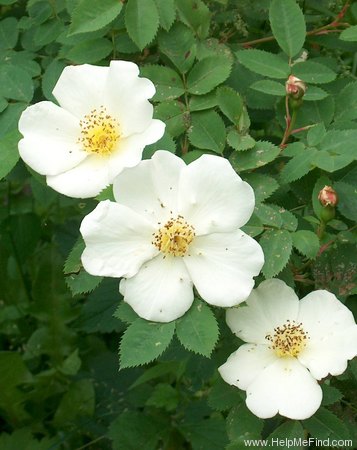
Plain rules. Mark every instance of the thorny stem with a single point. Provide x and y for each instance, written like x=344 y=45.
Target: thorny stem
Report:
x=318 y=31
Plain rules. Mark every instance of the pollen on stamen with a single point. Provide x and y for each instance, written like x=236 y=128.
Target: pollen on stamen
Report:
x=174 y=238
x=100 y=132
x=288 y=340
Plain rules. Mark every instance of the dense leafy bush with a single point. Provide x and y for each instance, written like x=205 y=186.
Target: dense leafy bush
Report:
x=220 y=68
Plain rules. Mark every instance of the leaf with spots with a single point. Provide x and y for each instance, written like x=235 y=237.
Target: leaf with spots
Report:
x=277 y=246
x=197 y=330
x=144 y=341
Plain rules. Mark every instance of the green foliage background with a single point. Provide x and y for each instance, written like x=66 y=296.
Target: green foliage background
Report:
x=219 y=67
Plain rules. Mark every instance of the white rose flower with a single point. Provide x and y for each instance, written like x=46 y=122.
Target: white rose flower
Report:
x=175 y=226
x=290 y=345
x=102 y=125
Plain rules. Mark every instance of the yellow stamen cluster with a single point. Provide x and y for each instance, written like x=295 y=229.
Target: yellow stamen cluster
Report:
x=99 y=132
x=174 y=237
x=289 y=339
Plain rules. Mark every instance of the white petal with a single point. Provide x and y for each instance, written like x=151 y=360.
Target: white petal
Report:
x=50 y=139
x=222 y=266
x=130 y=150
x=118 y=241
x=244 y=365
x=284 y=387
x=332 y=334
x=269 y=306
x=127 y=96
x=212 y=197
x=150 y=188
x=161 y=291
x=83 y=181
x=80 y=88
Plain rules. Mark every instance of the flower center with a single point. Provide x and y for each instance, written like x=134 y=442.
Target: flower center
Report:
x=288 y=340
x=100 y=132
x=174 y=237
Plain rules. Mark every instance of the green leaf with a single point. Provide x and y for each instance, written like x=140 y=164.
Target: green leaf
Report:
x=144 y=341
x=350 y=34
x=313 y=72
x=82 y=282
x=179 y=45
x=316 y=134
x=268 y=215
x=207 y=131
x=208 y=73
x=240 y=142
x=71 y=364
x=331 y=161
x=223 y=396
x=347 y=199
x=263 y=185
x=9 y=154
x=288 y=25
x=23 y=439
x=91 y=15
x=340 y=142
x=205 y=434
x=9 y=33
x=269 y=87
x=164 y=396
x=167 y=13
x=167 y=82
x=48 y=32
x=241 y=423
x=288 y=433
x=331 y=395
x=90 y=51
x=324 y=425
x=79 y=401
x=253 y=227
x=175 y=115
x=201 y=102
x=346 y=102
x=197 y=330
x=314 y=94
x=73 y=263
x=299 y=166
x=261 y=154
x=165 y=142
x=264 y=63
x=142 y=21
x=277 y=246
x=320 y=184
x=15 y=83
x=106 y=194
x=125 y=313
x=294 y=149
x=50 y=77
x=307 y=243
x=230 y=103
x=196 y=15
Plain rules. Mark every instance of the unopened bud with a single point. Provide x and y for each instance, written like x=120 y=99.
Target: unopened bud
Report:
x=295 y=87
x=328 y=196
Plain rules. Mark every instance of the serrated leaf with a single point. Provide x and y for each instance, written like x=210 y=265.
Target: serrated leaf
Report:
x=294 y=149
x=208 y=73
x=195 y=14
x=240 y=141
x=263 y=185
x=350 y=34
x=207 y=131
x=324 y=425
x=90 y=51
x=9 y=154
x=316 y=134
x=306 y=242
x=330 y=162
x=141 y=21
x=144 y=341
x=269 y=87
x=264 y=63
x=164 y=396
x=268 y=215
x=167 y=82
x=207 y=434
x=261 y=154
x=73 y=262
x=347 y=199
x=313 y=72
x=289 y=220
x=331 y=395
x=197 y=330
x=288 y=25
x=175 y=115
x=9 y=33
x=223 y=396
x=314 y=94
x=298 y=166
x=201 y=102
x=106 y=194
x=15 y=83
x=230 y=103
x=288 y=432
x=241 y=423
x=50 y=77
x=165 y=142
x=82 y=282
x=167 y=13
x=91 y=15
x=277 y=246
x=253 y=227
x=346 y=102
x=340 y=141
x=179 y=45
x=125 y=313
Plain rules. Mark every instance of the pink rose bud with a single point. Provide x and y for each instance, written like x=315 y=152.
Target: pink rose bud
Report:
x=295 y=87
x=328 y=197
